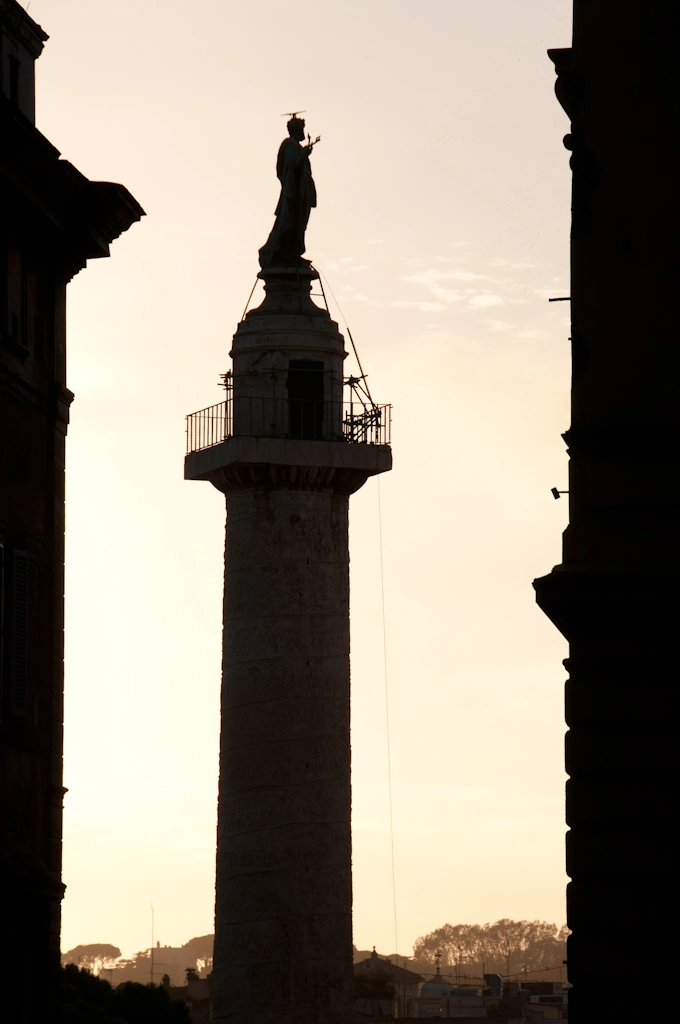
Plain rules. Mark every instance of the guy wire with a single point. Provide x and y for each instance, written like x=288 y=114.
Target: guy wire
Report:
x=248 y=302
x=349 y=333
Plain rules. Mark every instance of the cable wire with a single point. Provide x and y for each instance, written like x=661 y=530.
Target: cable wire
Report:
x=248 y=302
x=322 y=278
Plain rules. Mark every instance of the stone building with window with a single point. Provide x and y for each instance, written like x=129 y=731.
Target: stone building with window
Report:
x=614 y=596
x=52 y=220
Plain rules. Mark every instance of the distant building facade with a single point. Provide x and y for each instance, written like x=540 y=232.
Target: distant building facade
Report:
x=438 y=997
x=546 y=993
x=196 y=993
x=52 y=220
x=383 y=988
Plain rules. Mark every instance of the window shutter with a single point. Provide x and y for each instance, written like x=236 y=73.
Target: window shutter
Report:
x=19 y=632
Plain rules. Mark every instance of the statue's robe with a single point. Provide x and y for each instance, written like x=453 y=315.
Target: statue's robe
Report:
x=286 y=243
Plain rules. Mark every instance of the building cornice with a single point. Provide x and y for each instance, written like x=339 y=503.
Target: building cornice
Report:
x=274 y=463
x=85 y=216
x=23 y=27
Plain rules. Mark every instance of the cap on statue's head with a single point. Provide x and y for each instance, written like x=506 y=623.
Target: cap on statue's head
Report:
x=295 y=123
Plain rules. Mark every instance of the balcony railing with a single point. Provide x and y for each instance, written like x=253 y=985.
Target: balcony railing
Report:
x=296 y=419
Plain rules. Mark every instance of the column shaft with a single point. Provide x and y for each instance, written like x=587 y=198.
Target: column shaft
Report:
x=283 y=942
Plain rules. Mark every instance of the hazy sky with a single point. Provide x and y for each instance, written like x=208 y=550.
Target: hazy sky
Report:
x=443 y=229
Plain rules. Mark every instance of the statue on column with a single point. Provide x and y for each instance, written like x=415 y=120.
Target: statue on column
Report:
x=286 y=242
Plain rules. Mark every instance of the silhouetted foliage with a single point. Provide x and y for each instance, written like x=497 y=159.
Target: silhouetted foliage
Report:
x=103 y=955
x=201 y=949
x=85 y=999
x=94 y=956
x=197 y=951
x=149 y=1004
x=505 y=947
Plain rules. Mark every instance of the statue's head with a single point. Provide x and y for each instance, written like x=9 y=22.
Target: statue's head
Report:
x=296 y=128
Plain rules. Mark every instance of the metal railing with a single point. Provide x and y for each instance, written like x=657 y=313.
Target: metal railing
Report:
x=208 y=427
x=295 y=419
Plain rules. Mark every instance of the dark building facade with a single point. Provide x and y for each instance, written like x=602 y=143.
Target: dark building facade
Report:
x=615 y=595
x=52 y=220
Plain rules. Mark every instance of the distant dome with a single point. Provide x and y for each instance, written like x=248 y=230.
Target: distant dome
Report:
x=436 y=988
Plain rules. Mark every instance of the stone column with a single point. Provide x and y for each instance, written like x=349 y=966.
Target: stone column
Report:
x=283 y=909
x=283 y=895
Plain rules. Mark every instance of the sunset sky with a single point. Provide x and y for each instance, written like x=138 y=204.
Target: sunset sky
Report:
x=442 y=228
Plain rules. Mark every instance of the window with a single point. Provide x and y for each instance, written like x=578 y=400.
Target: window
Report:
x=305 y=399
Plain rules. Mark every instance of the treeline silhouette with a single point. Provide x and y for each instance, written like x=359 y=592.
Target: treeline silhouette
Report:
x=196 y=954
x=506 y=947
x=93 y=956
x=86 y=999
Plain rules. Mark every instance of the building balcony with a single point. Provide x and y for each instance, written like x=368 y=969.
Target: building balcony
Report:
x=289 y=442
x=348 y=422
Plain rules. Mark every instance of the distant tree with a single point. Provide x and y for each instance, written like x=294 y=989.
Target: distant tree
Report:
x=505 y=947
x=149 y=1004
x=200 y=949
x=86 y=999
x=94 y=956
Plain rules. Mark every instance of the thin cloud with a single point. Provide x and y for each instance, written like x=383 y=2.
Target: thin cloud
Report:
x=422 y=306
x=501 y=261
x=346 y=265
x=486 y=301
x=448 y=285
x=531 y=334
x=437 y=282
x=554 y=291
x=350 y=291
x=431 y=278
